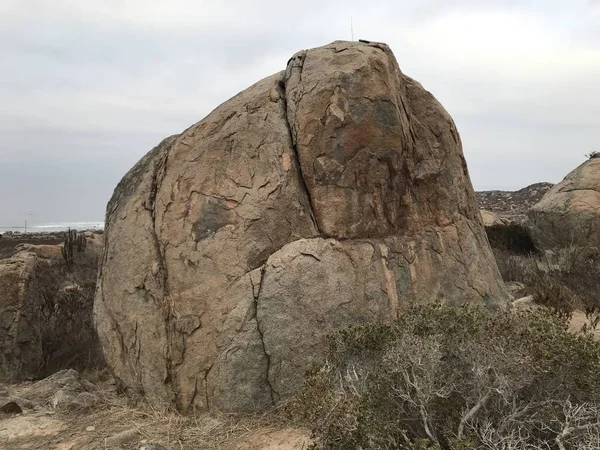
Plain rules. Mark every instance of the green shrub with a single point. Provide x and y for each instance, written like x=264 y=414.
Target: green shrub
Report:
x=456 y=379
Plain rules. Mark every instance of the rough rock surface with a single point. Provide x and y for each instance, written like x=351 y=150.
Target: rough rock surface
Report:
x=570 y=212
x=64 y=390
x=20 y=334
x=332 y=193
x=490 y=219
x=41 y=251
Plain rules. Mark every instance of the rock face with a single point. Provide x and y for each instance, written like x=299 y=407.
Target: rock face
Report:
x=41 y=251
x=490 y=219
x=570 y=212
x=20 y=334
x=332 y=193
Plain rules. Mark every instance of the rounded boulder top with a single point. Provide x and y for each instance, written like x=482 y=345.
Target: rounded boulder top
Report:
x=569 y=213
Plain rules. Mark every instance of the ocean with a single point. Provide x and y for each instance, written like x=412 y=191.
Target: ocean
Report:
x=56 y=226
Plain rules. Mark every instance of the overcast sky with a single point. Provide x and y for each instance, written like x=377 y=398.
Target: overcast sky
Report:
x=87 y=87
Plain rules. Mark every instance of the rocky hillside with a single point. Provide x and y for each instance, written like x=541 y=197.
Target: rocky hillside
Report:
x=512 y=204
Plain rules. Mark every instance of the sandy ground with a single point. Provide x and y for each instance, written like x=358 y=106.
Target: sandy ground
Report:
x=578 y=321
x=71 y=433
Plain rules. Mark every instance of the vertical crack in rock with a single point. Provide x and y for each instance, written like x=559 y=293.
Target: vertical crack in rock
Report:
x=272 y=392
x=293 y=141
x=157 y=177
x=206 y=396
x=126 y=187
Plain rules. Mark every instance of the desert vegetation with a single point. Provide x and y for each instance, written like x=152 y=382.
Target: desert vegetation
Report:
x=66 y=286
x=74 y=244
x=467 y=378
x=66 y=290
x=457 y=378
x=564 y=280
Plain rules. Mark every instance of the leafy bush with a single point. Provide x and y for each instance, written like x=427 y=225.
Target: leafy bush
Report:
x=456 y=379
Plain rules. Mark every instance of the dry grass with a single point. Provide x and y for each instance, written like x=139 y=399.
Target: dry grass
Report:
x=117 y=413
x=66 y=310
x=513 y=266
x=566 y=281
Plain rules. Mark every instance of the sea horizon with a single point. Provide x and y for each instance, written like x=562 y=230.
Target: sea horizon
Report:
x=48 y=227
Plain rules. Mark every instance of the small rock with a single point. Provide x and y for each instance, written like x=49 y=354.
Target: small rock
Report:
x=65 y=446
x=64 y=399
x=121 y=438
x=525 y=303
x=30 y=427
x=90 y=428
x=9 y=406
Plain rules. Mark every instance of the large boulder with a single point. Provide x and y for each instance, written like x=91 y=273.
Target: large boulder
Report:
x=20 y=332
x=332 y=193
x=569 y=214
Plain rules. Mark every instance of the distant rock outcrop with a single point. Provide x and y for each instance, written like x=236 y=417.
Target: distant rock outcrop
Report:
x=333 y=193
x=570 y=212
x=512 y=206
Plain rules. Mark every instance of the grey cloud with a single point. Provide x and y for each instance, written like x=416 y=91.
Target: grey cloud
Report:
x=90 y=91
x=55 y=191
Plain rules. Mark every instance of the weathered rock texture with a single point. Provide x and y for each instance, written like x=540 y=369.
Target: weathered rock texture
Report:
x=332 y=193
x=20 y=333
x=570 y=212
x=490 y=219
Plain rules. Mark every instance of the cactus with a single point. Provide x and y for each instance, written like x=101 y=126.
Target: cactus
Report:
x=81 y=243
x=73 y=242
